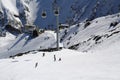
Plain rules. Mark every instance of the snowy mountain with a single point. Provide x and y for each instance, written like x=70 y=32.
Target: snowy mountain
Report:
x=84 y=36
x=92 y=35
x=20 y=12
x=90 y=44
x=11 y=45
x=74 y=11
x=87 y=36
x=17 y=13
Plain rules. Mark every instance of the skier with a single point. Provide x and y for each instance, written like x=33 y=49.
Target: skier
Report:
x=36 y=64
x=54 y=58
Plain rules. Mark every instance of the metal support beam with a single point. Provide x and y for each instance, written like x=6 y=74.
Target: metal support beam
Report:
x=57 y=21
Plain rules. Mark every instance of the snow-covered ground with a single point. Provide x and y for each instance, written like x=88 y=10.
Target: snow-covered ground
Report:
x=98 y=40
x=86 y=36
x=102 y=65
x=91 y=35
x=5 y=41
x=23 y=43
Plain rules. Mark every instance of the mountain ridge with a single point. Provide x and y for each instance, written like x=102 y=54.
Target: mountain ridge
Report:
x=72 y=12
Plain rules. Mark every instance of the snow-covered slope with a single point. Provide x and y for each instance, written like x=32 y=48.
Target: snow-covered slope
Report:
x=96 y=40
x=101 y=64
x=91 y=35
x=4 y=41
x=72 y=66
x=87 y=36
x=24 y=43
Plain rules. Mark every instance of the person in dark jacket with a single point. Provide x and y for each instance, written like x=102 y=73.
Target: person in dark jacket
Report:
x=35 y=33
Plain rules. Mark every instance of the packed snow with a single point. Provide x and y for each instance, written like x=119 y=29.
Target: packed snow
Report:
x=69 y=65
